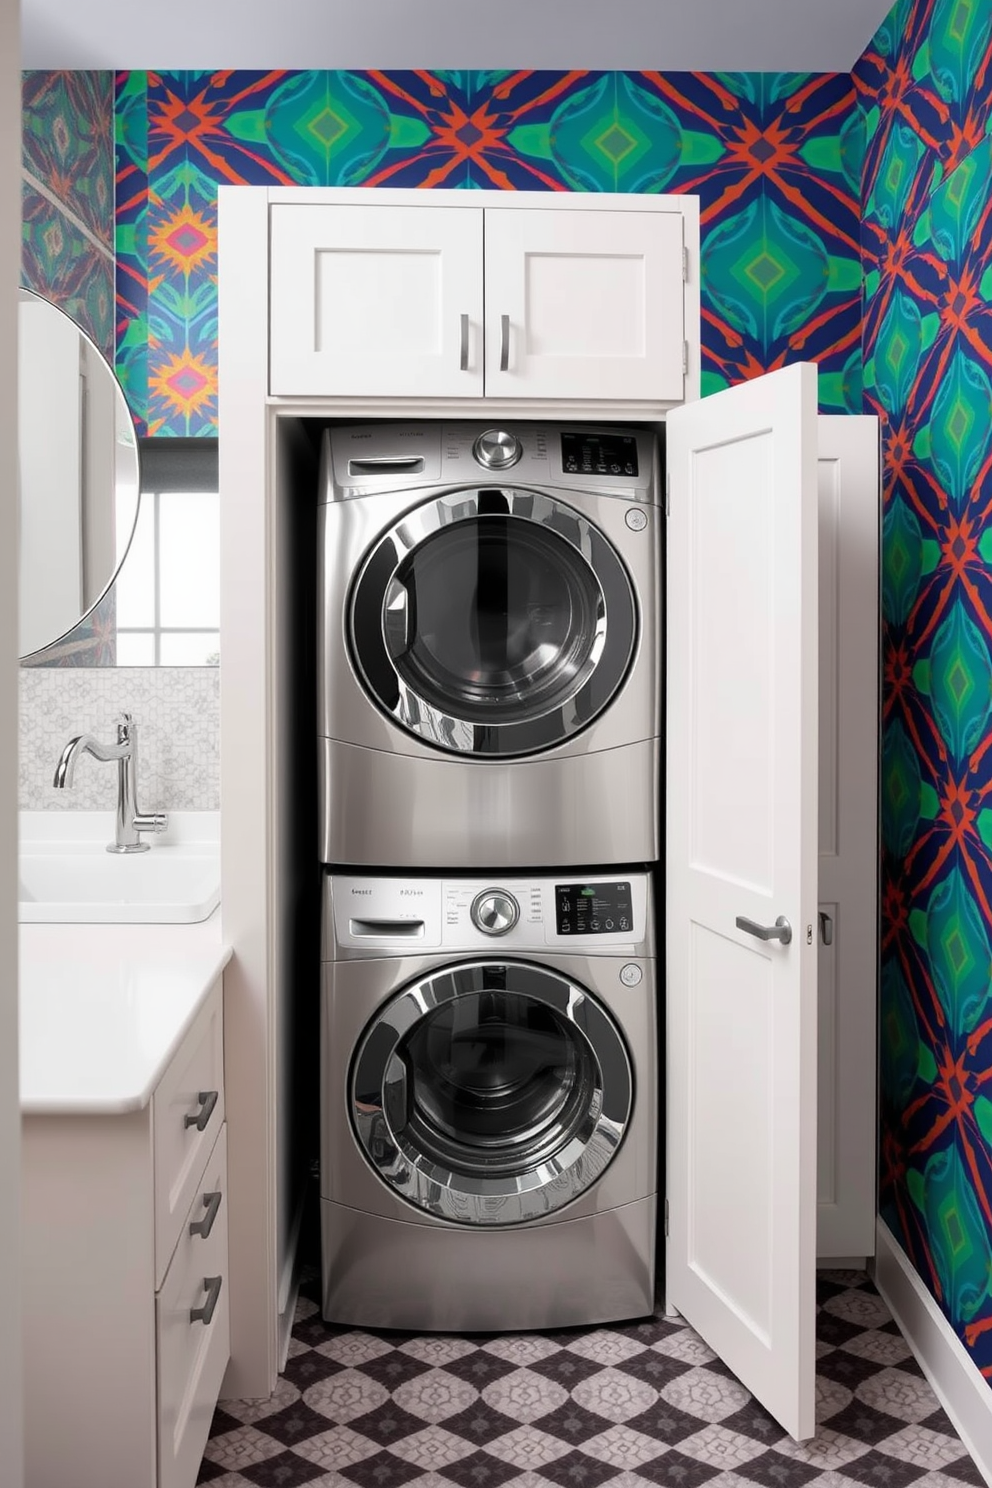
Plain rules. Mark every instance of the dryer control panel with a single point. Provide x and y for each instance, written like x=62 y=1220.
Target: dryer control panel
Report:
x=375 y=916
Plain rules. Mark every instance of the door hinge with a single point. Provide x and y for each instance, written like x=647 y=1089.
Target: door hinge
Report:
x=668 y=494
x=685 y=358
x=685 y=264
x=666 y=1217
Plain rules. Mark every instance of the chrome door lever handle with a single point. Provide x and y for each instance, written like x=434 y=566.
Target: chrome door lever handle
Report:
x=781 y=930
x=826 y=928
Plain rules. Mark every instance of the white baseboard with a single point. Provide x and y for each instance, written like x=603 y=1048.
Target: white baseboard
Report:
x=959 y=1386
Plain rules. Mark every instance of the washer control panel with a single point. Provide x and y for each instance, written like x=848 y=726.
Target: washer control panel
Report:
x=382 y=915
x=594 y=908
x=587 y=452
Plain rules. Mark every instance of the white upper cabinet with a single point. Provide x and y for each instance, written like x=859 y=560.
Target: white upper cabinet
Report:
x=584 y=305
x=459 y=301
x=376 y=302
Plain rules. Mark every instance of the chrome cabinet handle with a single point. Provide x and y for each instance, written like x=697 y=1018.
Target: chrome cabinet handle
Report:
x=207 y=1099
x=205 y=1313
x=781 y=930
x=203 y=1226
x=826 y=928
x=463 y=361
x=504 y=342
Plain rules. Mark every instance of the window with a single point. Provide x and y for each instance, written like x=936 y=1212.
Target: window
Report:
x=168 y=591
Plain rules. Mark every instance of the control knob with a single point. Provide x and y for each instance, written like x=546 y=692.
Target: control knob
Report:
x=497 y=449
x=494 y=911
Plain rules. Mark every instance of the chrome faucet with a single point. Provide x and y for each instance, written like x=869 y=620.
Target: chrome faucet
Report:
x=129 y=821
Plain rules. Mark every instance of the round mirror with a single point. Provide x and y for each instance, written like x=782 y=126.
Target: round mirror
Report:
x=78 y=474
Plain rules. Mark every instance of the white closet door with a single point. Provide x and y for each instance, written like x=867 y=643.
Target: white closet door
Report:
x=376 y=301
x=848 y=836
x=742 y=843
x=584 y=305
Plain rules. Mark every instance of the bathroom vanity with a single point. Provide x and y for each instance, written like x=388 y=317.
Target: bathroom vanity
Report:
x=125 y=1292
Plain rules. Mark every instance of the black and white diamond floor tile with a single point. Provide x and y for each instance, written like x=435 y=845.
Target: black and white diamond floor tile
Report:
x=628 y=1406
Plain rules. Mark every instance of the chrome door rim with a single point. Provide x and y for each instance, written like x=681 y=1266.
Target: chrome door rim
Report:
x=506 y=1197
x=595 y=681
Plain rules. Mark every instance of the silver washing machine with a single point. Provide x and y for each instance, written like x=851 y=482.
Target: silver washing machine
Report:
x=489 y=1102
x=489 y=655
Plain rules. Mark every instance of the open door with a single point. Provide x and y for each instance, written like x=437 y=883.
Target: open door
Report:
x=742 y=882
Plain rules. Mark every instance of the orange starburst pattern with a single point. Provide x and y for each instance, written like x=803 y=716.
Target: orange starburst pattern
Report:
x=186 y=383
x=186 y=240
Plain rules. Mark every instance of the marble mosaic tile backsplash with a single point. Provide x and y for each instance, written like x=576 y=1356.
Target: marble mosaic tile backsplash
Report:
x=177 y=712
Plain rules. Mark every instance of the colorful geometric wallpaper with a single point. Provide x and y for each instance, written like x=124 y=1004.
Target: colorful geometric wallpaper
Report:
x=775 y=159
x=925 y=84
x=67 y=184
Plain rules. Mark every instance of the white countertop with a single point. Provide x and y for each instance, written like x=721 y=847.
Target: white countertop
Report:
x=104 y=1007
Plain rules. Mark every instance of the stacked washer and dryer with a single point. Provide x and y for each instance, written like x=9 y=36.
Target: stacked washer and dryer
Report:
x=490 y=716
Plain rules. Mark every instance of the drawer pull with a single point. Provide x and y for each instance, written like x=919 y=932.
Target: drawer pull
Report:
x=203 y=1226
x=207 y=1099
x=205 y=1313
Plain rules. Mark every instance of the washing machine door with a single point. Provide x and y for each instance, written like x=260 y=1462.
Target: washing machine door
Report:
x=491 y=1092
x=493 y=622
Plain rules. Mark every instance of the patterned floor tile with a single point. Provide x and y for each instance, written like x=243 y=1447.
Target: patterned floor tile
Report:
x=343 y=1396
x=436 y=1395
x=622 y=1448
x=704 y=1394
x=899 y=1393
x=718 y=1447
x=335 y=1449
x=572 y=1422
x=882 y=1471
x=433 y=1449
x=615 y=1395
x=524 y=1395
x=480 y=1470
x=480 y=1424
x=480 y=1368
x=529 y=1449
x=643 y=1403
x=384 y=1470
x=576 y=1470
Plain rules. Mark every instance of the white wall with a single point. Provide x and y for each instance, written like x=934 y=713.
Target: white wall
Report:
x=11 y=1437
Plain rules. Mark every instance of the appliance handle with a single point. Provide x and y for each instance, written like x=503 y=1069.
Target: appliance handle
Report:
x=388 y=929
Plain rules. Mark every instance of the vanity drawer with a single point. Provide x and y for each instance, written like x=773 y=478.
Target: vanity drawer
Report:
x=187 y=1113
x=192 y=1352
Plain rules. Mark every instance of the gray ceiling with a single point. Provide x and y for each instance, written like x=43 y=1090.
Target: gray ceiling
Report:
x=667 y=35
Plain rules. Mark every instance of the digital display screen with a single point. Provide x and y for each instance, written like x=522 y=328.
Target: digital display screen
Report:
x=593 y=908
x=599 y=454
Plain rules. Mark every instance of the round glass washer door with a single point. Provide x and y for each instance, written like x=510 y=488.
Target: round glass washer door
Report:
x=493 y=621
x=491 y=1092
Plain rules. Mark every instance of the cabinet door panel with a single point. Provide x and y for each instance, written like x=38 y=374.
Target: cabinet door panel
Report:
x=196 y=1070
x=192 y=1353
x=742 y=802
x=584 y=305
x=376 y=301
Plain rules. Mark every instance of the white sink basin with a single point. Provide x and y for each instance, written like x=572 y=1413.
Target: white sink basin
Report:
x=66 y=875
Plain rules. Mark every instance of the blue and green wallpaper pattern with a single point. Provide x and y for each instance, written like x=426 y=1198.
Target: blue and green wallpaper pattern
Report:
x=775 y=159
x=926 y=91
